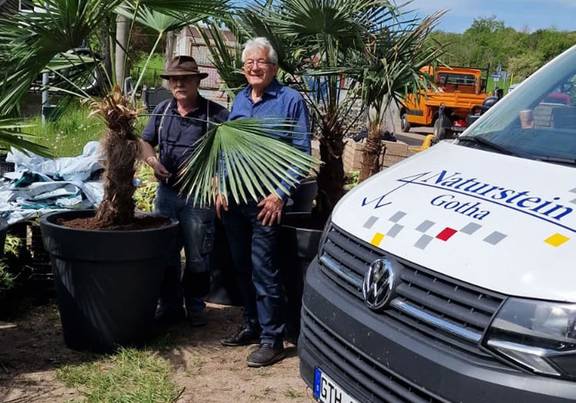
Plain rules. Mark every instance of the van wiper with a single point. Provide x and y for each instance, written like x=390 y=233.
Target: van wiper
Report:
x=487 y=144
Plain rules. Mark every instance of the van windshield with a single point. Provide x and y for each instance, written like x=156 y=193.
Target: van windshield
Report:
x=538 y=119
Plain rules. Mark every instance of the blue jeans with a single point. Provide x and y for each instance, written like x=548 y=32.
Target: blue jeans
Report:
x=253 y=247
x=197 y=237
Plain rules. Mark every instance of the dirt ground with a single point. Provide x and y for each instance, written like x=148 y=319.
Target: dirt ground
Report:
x=31 y=352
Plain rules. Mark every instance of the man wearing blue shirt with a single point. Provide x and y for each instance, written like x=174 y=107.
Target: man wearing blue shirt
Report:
x=252 y=228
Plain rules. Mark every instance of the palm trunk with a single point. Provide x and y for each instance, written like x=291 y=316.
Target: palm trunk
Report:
x=121 y=148
x=331 y=178
x=373 y=149
x=117 y=207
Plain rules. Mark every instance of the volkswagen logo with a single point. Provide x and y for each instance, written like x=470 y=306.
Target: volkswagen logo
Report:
x=379 y=283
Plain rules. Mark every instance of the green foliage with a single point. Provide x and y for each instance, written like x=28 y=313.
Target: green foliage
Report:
x=228 y=62
x=146 y=191
x=12 y=248
x=130 y=376
x=70 y=132
x=488 y=42
x=16 y=133
x=6 y=278
x=525 y=64
x=255 y=163
x=151 y=77
x=391 y=65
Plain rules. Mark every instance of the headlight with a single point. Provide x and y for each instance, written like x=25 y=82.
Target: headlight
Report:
x=538 y=335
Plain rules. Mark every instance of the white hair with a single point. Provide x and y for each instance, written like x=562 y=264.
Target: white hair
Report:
x=260 y=43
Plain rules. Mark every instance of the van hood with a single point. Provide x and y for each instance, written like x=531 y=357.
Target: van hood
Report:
x=503 y=223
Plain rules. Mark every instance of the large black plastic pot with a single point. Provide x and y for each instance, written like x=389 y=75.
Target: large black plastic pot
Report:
x=299 y=240
x=302 y=200
x=107 y=282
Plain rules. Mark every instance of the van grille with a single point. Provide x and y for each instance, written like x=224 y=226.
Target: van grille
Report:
x=450 y=311
x=376 y=382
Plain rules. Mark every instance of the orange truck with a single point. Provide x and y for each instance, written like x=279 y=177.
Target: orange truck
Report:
x=459 y=93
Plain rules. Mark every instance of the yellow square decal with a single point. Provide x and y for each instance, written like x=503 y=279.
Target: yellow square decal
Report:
x=556 y=240
x=377 y=238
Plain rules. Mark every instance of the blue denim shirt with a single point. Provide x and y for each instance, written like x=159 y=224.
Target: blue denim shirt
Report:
x=278 y=101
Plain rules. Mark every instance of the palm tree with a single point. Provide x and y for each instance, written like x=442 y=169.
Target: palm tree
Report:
x=318 y=42
x=389 y=69
x=31 y=43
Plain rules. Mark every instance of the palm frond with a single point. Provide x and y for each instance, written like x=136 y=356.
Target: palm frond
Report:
x=156 y=20
x=192 y=11
x=12 y=135
x=30 y=41
x=247 y=160
x=227 y=61
x=391 y=67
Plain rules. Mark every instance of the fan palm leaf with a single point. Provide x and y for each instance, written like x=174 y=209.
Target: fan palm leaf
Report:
x=246 y=159
x=30 y=41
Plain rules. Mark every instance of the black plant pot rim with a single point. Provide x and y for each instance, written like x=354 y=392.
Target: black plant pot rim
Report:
x=49 y=219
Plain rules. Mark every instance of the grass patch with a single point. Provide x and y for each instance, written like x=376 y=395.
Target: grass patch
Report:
x=153 y=70
x=69 y=133
x=130 y=376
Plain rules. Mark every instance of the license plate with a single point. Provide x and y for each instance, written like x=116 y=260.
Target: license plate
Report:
x=328 y=391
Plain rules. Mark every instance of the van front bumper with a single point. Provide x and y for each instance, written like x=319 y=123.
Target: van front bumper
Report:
x=377 y=360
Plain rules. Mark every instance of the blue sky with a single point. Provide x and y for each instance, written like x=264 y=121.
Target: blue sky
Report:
x=518 y=14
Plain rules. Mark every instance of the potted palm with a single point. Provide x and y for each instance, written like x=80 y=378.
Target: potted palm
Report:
x=108 y=273
x=390 y=69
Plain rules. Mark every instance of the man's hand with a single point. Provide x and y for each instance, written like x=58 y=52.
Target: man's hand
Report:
x=271 y=211
x=219 y=204
x=160 y=171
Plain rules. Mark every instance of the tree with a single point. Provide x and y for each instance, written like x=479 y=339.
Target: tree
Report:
x=317 y=42
x=390 y=68
x=524 y=65
x=44 y=40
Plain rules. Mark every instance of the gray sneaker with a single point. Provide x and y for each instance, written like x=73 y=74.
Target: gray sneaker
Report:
x=267 y=354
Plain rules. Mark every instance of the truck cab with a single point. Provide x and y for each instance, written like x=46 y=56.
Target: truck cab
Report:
x=457 y=93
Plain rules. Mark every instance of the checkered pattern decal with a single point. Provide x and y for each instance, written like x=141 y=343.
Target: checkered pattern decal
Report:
x=430 y=230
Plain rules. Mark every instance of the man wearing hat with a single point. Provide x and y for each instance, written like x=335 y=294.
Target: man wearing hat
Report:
x=174 y=128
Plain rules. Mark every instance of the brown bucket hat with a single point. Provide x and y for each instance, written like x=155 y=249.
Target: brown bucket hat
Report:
x=183 y=66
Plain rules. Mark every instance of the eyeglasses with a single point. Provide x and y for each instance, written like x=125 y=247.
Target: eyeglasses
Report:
x=250 y=63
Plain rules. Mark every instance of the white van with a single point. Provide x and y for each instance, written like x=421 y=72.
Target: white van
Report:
x=451 y=276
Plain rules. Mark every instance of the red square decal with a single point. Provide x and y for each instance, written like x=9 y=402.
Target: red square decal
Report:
x=446 y=234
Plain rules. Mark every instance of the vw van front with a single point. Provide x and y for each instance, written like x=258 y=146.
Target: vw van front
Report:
x=450 y=276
